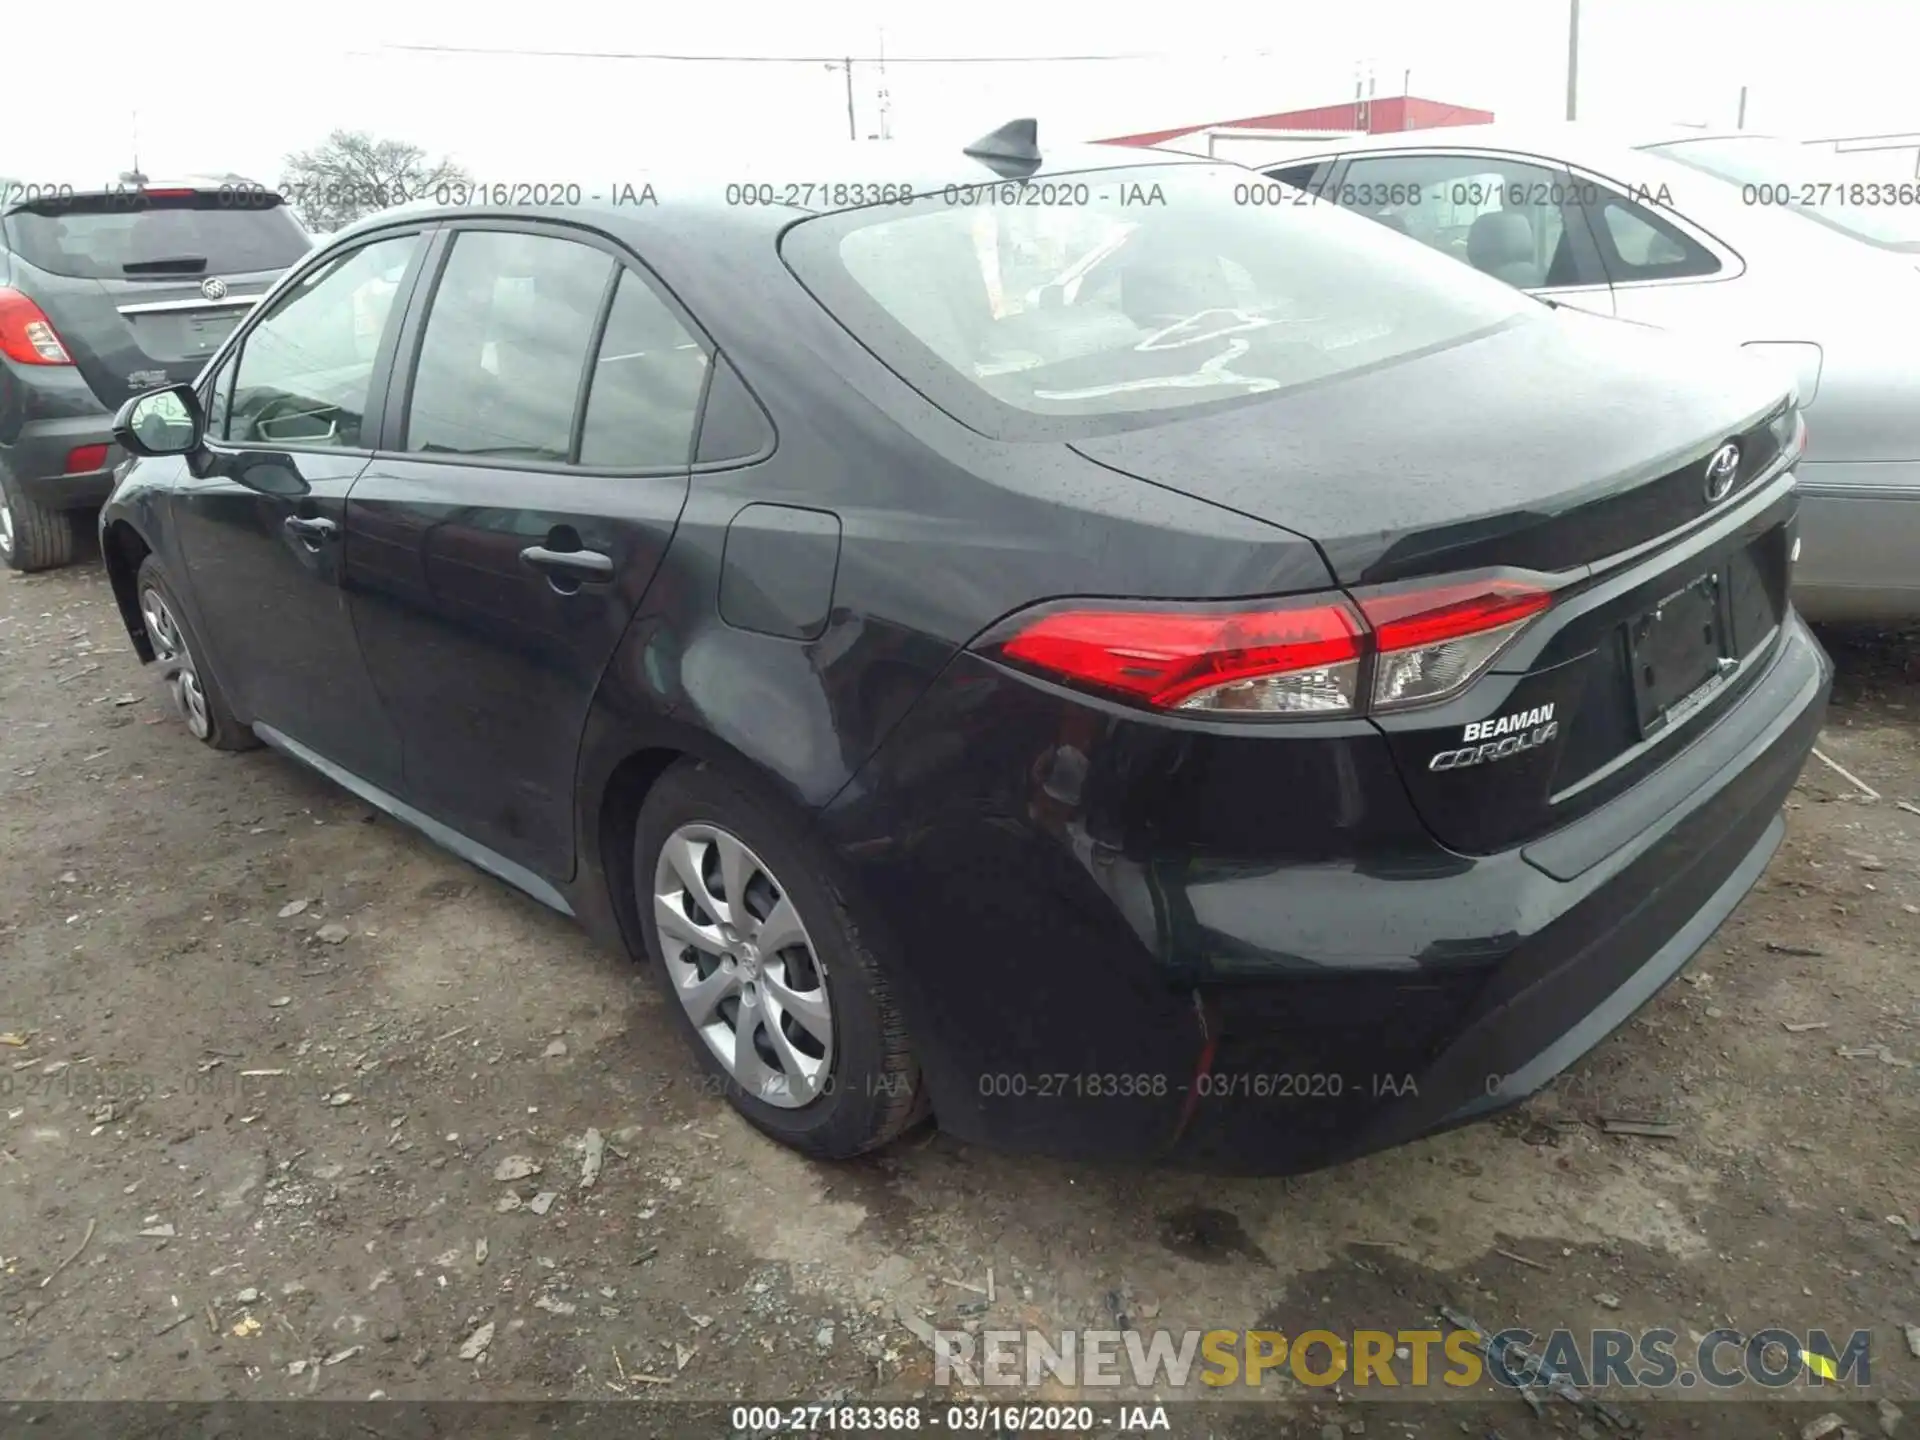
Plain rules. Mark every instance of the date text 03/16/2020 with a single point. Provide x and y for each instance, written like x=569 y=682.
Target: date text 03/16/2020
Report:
x=1209 y=1084
x=961 y=1418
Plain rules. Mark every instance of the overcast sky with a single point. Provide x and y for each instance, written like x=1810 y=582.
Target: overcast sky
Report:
x=235 y=86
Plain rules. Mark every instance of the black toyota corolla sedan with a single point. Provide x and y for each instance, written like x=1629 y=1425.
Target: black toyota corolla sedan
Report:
x=1042 y=639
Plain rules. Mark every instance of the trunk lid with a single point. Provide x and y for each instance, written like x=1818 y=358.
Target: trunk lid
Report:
x=1579 y=448
x=142 y=286
x=1542 y=446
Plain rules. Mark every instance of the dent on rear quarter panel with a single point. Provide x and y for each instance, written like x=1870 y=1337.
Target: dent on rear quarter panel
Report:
x=942 y=532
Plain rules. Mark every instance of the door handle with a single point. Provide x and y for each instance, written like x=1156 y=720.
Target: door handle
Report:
x=582 y=566
x=312 y=529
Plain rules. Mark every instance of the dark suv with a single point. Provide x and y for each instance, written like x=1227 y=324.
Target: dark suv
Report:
x=103 y=294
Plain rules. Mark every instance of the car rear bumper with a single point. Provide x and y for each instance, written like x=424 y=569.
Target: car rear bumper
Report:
x=35 y=459
x=1860 y=524
x=1253 y=1017
x=1618 y=931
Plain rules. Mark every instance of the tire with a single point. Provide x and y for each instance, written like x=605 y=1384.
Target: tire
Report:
x=196 y=694
x=863 y=1088
x=32 y=537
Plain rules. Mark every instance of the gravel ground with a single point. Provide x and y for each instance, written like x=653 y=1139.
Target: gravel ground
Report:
x=267 y=1057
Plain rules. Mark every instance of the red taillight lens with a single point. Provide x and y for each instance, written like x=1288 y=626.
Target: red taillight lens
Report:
x=171 y=194
x=1411 y=619
x=86 y=458
x=26 y=335
x=1425 y=644
x=1280 y=659
x=1435 y=641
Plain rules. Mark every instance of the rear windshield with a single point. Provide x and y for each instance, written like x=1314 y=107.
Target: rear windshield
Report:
x=1080 y=304
x=1866 y=194
x=131 y=236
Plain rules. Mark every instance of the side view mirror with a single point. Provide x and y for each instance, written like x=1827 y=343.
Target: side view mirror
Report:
x=161 y=422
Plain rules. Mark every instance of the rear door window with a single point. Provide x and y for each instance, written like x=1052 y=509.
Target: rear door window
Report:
x=506 y=345
x=1637 y=244
x=1303 y=177
x=131 y=236
x=1515 y=221
x=305 y=369
x=644 y=394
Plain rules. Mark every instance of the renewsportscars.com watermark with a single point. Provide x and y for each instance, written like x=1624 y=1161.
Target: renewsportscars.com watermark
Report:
x=1208 y=1361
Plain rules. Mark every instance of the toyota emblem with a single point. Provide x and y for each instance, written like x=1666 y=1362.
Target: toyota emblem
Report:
x=214 y=288
x=1721 y=470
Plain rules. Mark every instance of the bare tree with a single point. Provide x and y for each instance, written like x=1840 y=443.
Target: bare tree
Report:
x=352 y=174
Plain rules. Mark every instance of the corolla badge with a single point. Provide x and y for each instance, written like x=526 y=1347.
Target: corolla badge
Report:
x=1721 y=470
x=214 y=288
x=1499 y=739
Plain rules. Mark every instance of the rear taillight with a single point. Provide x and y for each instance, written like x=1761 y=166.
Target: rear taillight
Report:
x=26 y=335
x=1434 y=641
x=1313 y=656
x=85 y=459
x=1278 y=660
x=1788 y=430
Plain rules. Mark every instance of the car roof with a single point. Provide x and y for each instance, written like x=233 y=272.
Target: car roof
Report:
x=720 y=257
x=186 y=182
x=790 y=183
x=1556 y=139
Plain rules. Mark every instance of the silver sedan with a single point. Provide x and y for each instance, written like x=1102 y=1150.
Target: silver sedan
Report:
x=1809 y=258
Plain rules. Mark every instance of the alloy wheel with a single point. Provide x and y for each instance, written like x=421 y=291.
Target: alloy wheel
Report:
x=170 y=649
x=742 y=964
x=6 y=527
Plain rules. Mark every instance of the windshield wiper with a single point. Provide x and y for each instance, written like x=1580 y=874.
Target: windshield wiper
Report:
x=172 y=265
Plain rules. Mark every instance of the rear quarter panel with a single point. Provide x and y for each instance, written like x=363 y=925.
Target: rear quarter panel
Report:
x=942 y=532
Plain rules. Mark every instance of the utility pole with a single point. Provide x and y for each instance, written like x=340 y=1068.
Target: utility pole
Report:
x=847 y=65
x=1573 y=59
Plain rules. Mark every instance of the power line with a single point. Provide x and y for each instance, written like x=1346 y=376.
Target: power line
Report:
x=516 y=53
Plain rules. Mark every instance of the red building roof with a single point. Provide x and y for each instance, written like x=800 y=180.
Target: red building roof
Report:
x=1383 y=114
